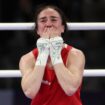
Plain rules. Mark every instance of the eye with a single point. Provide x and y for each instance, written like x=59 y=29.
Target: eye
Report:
x=54 y=20
x=43 y=21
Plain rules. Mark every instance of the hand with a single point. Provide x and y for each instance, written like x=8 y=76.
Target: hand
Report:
x=45 y=33
x=53 y=32
x=43 y=51
x=56 y=45
x=50 y=32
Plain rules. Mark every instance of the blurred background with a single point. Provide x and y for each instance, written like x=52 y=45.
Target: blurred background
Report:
x=14 y=44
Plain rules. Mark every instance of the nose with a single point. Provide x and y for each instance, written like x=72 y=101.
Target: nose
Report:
x=48 y=23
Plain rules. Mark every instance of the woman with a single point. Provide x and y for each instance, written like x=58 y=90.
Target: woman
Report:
x=52 y=73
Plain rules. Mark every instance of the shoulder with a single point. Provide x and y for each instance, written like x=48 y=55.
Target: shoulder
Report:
x=27 y=57
x=76 y=56
x=76 y=52
x=27 y=61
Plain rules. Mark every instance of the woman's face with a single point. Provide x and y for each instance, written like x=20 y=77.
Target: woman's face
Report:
x=49 y=23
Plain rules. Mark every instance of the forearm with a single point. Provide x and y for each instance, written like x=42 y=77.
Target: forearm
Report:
x=65 y=77
x=31 y=81
x=69 y=81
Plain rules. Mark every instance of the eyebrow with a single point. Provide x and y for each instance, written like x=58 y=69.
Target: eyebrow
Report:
x=53 y=17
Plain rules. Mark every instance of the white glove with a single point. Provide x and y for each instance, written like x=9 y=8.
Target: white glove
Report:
x=56 y=45
x=43 y=51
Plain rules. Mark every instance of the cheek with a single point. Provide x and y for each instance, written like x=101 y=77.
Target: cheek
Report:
x=40 y=29
x=61 y=28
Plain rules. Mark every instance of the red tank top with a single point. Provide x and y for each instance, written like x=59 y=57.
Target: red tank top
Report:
x=50 y=92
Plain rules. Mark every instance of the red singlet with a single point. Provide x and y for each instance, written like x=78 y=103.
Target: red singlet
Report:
x=50 y=92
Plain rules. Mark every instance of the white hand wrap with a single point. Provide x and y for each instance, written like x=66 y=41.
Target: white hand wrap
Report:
x=56 y=45
x=43 y=51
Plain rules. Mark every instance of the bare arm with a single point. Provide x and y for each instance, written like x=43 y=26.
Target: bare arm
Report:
x=70 y=77
x=31 y=75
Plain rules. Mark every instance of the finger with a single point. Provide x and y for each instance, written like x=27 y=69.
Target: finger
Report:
x=55 y=32
x=45 y=33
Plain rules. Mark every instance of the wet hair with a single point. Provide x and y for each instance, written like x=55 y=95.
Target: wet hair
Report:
x=42 y=7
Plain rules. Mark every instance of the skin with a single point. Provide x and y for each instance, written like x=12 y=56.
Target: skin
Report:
x=69 y=76
x=49 y=24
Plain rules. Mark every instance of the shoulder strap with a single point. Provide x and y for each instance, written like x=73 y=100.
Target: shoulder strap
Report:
x=65 y=52
x=69 y=47
x=35 y=52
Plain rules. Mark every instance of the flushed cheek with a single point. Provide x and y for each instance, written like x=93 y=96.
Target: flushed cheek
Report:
x=40 y=26
x=40 y=30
